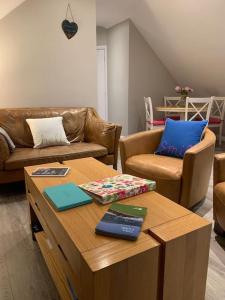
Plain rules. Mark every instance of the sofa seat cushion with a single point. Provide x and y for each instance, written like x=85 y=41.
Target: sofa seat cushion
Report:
x=156 y=166
x=23 y=157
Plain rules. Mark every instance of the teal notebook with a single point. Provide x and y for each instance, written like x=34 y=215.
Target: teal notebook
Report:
x=66 y=196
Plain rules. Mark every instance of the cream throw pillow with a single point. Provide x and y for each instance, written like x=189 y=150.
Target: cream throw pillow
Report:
x=47 y=132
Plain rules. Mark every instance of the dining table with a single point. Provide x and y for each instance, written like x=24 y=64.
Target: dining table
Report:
x=178 y=110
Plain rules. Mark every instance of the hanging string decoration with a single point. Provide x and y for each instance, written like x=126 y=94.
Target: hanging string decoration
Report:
x=70 y=28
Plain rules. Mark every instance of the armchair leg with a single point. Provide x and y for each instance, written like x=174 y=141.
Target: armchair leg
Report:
x=218 y=229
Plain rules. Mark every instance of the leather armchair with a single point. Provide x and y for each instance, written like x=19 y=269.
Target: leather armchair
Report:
x=219 y=193
x=184 y=181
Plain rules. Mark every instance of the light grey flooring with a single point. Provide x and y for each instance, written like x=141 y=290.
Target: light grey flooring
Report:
x=216 y=272
x=23 y=274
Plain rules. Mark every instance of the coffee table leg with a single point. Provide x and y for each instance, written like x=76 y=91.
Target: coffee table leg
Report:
x=185 y=244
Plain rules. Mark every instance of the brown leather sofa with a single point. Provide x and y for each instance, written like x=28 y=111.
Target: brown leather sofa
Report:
x=91 y=136
x=219 y=194
x=184 y=181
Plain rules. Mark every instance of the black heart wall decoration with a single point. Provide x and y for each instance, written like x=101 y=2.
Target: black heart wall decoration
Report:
x=69 y=28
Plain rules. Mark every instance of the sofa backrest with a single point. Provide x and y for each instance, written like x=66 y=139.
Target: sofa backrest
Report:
x=14 y=122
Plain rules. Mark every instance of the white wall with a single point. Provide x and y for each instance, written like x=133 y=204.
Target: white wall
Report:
x=6 y=6
x=39 y=66
x=134 y=71
x=147 y=77
x=118 y=74
x=102 y=36
x=189 y=39
x=187 y=36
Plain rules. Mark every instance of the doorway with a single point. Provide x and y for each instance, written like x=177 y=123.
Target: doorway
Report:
x=102 y=88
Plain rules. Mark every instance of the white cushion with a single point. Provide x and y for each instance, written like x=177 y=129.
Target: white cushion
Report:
x=47 y=132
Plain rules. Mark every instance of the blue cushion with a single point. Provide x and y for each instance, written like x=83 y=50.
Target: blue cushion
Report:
x=179 y=136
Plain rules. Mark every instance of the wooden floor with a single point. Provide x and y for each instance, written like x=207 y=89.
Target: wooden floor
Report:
x=23 y=274
x=216 y=271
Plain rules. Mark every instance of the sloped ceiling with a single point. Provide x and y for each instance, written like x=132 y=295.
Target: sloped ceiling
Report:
x=188 y=36
x=6 y=6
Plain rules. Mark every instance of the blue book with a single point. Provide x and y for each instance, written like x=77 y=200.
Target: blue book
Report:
x=66 y=196
x=122 y=221
x=127 y=232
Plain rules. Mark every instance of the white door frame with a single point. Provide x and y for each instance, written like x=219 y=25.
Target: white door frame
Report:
x=104 y=48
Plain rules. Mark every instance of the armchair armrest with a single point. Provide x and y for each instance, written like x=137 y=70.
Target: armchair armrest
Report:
x=197 y=168
x=219 y=168
x=139 y=143
x=101 y=132
x=4 y=151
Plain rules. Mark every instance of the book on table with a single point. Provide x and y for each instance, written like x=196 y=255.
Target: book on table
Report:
x=51 y=172
x=122 y=221
x=118 y=187
x=66 y=196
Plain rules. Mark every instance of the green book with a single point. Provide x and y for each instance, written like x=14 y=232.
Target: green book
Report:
x=130 y=210
x=66 y=196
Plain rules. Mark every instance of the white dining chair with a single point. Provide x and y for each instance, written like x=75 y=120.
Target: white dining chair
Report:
x=216 y=118
x=150 y=122
x=198 y=108
x=172 y=102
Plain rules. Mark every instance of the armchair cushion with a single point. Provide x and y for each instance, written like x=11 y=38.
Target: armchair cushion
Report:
x=179 y=136
x=156 y=166
x=166 y=171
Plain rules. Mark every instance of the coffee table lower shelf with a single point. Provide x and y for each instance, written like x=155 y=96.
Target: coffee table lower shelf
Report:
x=53 y=265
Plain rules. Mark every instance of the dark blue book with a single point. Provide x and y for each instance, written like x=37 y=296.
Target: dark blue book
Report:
x=122 y=221
x=127 y=232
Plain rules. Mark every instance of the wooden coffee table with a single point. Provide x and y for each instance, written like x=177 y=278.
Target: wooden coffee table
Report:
x=168 y=261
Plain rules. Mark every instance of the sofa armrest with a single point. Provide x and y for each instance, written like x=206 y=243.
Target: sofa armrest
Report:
x=139 y=143
x=219 y=168
x=197 y=167
x=101 y=132
x=4 y=151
